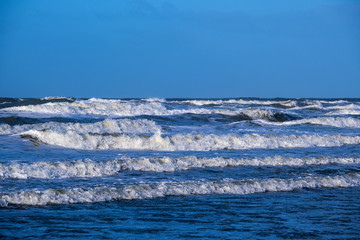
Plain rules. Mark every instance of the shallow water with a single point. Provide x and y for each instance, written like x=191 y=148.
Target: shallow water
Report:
x=180 y=168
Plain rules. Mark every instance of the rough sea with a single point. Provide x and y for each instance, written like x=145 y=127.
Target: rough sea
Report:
x=242 y=168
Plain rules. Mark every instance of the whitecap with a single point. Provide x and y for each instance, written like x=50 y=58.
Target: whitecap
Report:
x=164 y=188
x=186 y=142
x=340 y=122
x=105 y=126
x=89 y=168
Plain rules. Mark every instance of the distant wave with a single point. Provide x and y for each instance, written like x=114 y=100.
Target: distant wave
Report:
x=101 y=107
x=122 y=108
x=280 y=103
x=58 y=98
x=89 y=168
x=163 y=189
x=272 y=110
x=16 y=102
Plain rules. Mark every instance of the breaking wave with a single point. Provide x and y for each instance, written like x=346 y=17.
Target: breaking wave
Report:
x=340 y=122
x=106 y=126
x=344 y=112
x=284 y=104
x=101 y=107
x=122 y=108
x=90 y=168
x=255 y=113
x=185 y=142
x=163 y=189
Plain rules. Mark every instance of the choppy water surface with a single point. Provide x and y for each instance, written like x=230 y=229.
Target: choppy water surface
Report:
x=180 y=168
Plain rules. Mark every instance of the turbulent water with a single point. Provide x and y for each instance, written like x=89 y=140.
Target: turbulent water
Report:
x=180 y=168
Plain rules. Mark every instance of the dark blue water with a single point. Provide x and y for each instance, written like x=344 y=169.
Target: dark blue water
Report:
x=180 y=168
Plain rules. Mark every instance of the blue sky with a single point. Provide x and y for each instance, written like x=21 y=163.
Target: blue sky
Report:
x=180 y=48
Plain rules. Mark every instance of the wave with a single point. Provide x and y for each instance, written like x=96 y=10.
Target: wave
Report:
x=340 y=122
x=89 y=168
x=256 y=113
x=106 y=126
x=93 y=106
x=121 y=108
x=23 y=102
x=153 y=106
x=187 y=142
x=163 y=189
x=325 y=101
x=280 y=103
x=344 y=107
x=344 y=112
x=101 y=107
x=58 y=98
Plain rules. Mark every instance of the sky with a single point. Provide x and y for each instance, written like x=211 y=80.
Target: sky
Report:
x=180 y=48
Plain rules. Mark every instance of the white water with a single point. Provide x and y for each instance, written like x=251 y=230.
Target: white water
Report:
x=106 y=126
x=187 y=142
x=100 y=107
x=286 y=103
x=162 y=189
x=121 y=108
x=341 y=122
x=90 y=168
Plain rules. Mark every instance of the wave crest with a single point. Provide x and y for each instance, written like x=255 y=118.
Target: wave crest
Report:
x=340 y=122
x=162 y=189
x=105 y=126
x=90 y=168
x=187 y=142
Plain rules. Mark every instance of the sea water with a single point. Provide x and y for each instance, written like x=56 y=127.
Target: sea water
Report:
x=179 y=168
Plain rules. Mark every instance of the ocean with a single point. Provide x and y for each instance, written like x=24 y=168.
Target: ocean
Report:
x=239 y=168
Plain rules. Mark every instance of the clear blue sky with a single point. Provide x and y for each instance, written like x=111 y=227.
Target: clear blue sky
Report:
x=180 y=48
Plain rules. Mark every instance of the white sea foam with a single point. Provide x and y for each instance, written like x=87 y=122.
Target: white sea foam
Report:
x=286 y=103
x=102 y=107
x=90 y=168
x=343 y=107
x=114 y=108
x=186 y=142
x=162 y=189
x=348 y=109
x=106 y=126
x=154 y=100
x=340 y=107
x=311 y=101
x=341 y=122
x=253 y=113
x=57 y=98
x=344 y=112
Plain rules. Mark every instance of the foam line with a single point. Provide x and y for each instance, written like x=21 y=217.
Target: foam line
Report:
x=186 y=142
x=89 y=168
x=122 y=108
x=340 y=122
x=106 y=126
x=163 y=189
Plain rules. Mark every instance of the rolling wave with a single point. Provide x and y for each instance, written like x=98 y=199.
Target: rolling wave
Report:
x=106 y=126
x=89 y=168
x=340 y=122
x=100 y=107
x=279 y=103
x=163 y=189
x=185 y=142
x=121 y=108
x=345 y=112
x=14 y=102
